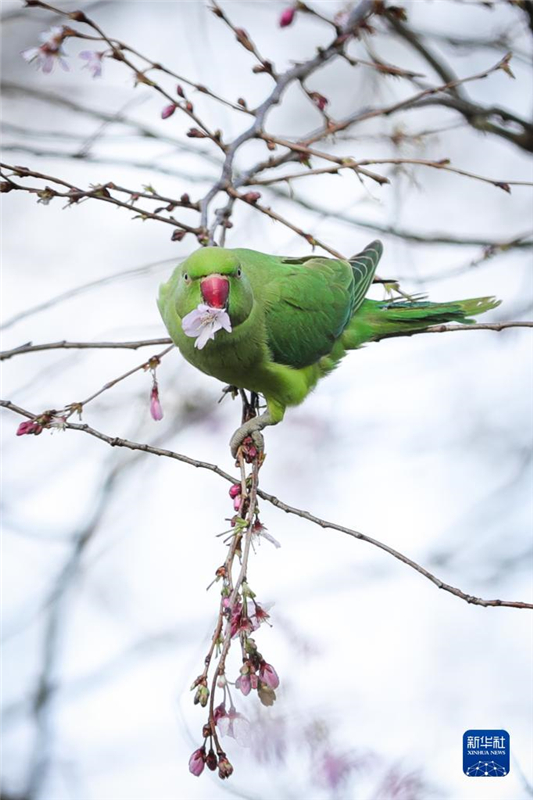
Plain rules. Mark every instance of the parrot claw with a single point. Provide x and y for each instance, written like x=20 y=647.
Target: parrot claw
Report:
x=251 y=429
x=251 y=449
x=229 y=389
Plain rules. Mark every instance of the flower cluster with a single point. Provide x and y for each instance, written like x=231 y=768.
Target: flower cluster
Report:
x=35 y=426
x=257 y=675
x=240 y=615
x=51 y=52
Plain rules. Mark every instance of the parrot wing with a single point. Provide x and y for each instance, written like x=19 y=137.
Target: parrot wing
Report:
x=311 y=303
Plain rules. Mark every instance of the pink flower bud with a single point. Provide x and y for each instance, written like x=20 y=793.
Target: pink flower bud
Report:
x=197 y=761
x=251 y=197
x=168 y=111
x=196 y=133
x=30 y=426
x=235 y=490
x=219 y=712
x=179 y=90
x=237 y=501
x=287 y=17
x=268 y=675
x=155 y=406
x=211 y=760
x=244 y=684
x=319 y=100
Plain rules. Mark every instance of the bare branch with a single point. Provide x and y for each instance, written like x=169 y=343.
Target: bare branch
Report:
x=64 y=345
x=347 y=163
x=135 y=345
x=477 y=116
x=116 y=441
x=101 y=192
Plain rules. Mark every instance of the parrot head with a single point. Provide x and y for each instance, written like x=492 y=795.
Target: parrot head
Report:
x=214 y=277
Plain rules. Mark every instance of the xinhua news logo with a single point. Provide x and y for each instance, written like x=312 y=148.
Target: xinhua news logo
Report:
x=486 y=754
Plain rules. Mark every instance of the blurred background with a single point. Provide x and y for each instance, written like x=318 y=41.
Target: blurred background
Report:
x=424 y=443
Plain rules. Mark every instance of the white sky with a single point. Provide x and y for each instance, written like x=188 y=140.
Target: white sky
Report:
x=421 y=443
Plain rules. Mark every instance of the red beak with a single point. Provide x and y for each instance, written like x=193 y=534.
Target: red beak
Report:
x=215 y=290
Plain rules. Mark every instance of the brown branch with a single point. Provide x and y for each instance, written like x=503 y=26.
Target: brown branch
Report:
x=342 y=161
x=135 y=345
x=244 y=40
x=480 y=326
x=117 y=49
x=64 y=345
x=348 y=163
x=414 y=101
x=475 y=326
x=116 y=441
x=275 y=216
x=101 y=192
x=477 y=116
x=146 y=365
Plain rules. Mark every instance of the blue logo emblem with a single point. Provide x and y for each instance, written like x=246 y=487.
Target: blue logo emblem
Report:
x=486 y=754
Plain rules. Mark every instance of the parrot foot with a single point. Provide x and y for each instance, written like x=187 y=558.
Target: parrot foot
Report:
x=251 y=429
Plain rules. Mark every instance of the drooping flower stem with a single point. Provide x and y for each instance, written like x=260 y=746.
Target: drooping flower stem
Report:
x=239 y=614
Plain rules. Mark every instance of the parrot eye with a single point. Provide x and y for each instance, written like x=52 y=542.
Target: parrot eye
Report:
x=186 y=277
x=239 y=272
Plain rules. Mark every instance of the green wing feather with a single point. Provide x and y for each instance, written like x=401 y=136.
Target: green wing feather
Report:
x=364 y=266
x=313 y=301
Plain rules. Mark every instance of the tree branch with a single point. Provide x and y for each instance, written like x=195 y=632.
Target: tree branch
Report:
x=64 y=345
x=135 y=345
x=116 y=441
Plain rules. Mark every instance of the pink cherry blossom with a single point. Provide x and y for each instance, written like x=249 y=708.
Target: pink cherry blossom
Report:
x=260 y=532
x=94 y=62
x=49 y=53
x=240 y=621
x=204 y=322
x=258 y=613
x=219 y=712
x=236 y=726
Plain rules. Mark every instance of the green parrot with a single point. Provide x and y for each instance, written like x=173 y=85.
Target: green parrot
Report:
x=277 y=325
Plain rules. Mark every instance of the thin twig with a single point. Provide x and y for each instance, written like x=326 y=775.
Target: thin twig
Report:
x=64 y=345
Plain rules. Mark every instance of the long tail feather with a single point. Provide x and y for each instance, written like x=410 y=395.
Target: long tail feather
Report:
x=380 y=320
